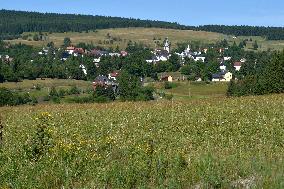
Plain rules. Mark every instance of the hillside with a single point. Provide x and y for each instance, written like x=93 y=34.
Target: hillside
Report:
x=14 y=23
x=121 y=36
x=212 y=143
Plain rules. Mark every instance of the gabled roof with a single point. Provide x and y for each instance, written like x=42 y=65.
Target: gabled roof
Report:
x=101 y=78
x=238 y=64
x=70 y=48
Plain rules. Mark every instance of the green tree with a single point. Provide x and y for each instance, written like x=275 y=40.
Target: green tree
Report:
x=67 y=42
x=129 y=86
x=255 y=45
x=104 y=94
x=36 y=37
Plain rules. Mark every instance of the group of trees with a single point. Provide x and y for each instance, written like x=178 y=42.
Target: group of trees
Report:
x=270 y=33
x=8 y=97
x=261 y=74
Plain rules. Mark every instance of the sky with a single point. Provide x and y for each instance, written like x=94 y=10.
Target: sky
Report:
x=187 y=12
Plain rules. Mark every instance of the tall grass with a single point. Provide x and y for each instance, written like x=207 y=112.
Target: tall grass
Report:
x=212 y=143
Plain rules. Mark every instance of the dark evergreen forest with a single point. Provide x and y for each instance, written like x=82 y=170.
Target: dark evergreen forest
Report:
x=14 y=23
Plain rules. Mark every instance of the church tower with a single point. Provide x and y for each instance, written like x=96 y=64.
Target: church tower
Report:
x=167 y=45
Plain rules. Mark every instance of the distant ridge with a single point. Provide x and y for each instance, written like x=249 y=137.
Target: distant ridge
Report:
x=14 y=23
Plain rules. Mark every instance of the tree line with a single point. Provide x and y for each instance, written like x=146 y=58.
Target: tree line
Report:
x=270 y=33
x=14 y=23
x=261 y=74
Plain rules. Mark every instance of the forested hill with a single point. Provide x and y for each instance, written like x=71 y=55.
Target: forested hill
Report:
x=14 y=23
x=270 y=33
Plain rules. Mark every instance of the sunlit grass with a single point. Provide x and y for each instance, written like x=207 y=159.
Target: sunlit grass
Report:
x=207 y=143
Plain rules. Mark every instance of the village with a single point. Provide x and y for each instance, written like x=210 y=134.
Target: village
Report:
x=159 y=55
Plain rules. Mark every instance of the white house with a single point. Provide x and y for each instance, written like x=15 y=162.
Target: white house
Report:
x=70 y=50
x=199 y=58
x=83 y=69
x=227 y=58
x=114 y=54
x=237 y=66
x=97 y=60
x=243 y=60
x=223 y=67
x=223 y=76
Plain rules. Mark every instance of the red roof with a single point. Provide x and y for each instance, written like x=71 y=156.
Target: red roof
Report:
x=70 y=48
x=237 y=64
x=79 y=50
x=123 y=53
x=114 y=74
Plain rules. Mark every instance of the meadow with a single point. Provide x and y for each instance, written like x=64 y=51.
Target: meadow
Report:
x=183 y=90
x=201 y=143
x=121 y=36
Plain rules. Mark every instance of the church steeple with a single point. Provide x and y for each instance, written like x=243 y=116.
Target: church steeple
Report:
x=167 y=45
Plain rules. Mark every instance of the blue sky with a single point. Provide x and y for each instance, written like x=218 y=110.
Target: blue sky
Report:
x=188 y=12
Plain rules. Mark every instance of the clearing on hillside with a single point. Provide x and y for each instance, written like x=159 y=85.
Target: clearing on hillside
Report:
x=121 y=36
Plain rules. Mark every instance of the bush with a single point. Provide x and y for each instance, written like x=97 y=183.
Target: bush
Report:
x=38 y=87
x=169 y=97
x=146 y=94
x=74 y=91
x=10 y=98
x=53 y=92
x=169 y=85
x=62 y=92
x=104 y=94
x=81 y=100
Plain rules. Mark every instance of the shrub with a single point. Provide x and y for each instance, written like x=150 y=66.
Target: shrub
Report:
x=169 y=85
x=74 y=90
x=10 y=98
x=104 y=94
x=53 y=92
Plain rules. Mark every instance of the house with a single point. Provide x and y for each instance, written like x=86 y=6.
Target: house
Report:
x=223 y=67
x=70 y=50
x=162 y=55
x=99 y=53
x=104 y=82
x=243 y=60
x=227 y=58
x=114 y=54
x=167 y=78
x=113 y=76
x=83 y=69
x=199 y=58
x=97 y=60
x=123 y=53
x=237 y=66
x=79 y=51
x=65 y=56
x=222 y=76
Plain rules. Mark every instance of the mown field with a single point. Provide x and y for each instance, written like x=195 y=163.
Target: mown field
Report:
x=193 y=90
x=121 y=36
x=182 y=90
x=204 y=143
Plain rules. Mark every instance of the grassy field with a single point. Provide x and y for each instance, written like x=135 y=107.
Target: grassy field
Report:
x=40 y=88
x=182 y=90
x=208 y=143
x=194 y=90
x=146 y=36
